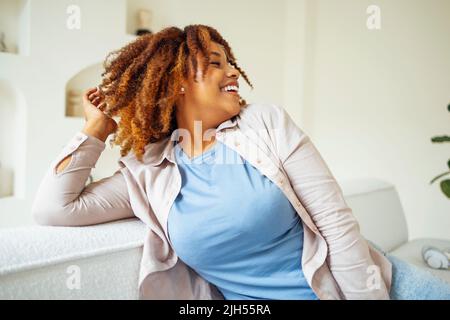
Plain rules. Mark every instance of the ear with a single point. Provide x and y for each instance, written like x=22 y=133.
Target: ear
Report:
x=184 y=87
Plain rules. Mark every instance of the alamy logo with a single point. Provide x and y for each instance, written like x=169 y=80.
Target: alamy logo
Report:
x=374 y=19
x=74 y=19
x=243 y=144
x=374 y=280
x=74 y=279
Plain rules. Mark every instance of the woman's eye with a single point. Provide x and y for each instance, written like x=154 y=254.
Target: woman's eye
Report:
x=217 y=63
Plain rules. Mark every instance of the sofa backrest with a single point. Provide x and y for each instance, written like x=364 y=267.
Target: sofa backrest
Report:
x=376 y=206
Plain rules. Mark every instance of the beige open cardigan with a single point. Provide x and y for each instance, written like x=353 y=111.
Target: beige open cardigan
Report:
x=337 y=261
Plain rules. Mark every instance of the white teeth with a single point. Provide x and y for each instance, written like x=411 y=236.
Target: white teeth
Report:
x=230 y=88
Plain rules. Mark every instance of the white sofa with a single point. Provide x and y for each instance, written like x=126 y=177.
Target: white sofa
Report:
x=377 y=207
x=40 y=262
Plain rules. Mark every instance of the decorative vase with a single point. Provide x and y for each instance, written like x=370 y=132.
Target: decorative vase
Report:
x=3 y=47
x=144 y=18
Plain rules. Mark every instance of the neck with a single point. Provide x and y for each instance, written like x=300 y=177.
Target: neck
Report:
x=196 y=136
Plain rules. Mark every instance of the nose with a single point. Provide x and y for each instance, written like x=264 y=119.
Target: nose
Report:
x=233 y=72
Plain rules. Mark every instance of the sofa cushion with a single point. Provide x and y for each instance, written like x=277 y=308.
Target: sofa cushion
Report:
x=412 y=252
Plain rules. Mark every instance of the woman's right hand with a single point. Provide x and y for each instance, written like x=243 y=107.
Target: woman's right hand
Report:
x=97 y=123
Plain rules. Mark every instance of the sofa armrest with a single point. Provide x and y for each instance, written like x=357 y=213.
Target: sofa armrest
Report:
x=91 y=262
x=378 y=209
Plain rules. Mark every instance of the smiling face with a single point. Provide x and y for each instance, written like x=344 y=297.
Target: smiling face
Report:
x=204 y=98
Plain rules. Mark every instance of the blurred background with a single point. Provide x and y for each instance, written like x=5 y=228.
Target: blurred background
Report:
x=368 y=81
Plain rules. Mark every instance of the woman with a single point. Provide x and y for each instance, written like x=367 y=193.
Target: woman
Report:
x=238 y=202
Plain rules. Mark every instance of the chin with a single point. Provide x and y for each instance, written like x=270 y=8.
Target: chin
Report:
x=235 y=109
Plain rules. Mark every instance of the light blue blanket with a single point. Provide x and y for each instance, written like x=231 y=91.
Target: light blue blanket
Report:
x=413 y=283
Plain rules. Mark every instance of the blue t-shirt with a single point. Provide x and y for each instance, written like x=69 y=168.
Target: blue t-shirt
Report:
x=236 y=228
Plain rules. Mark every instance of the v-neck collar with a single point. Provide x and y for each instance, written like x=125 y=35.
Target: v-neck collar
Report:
x=183 y=155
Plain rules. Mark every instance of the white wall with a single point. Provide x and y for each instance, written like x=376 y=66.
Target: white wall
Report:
x=373 y=99
x=250 y=27
x=295 y=35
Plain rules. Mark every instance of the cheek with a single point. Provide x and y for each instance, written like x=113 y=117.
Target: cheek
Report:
x=214 y=90
x=206 y=92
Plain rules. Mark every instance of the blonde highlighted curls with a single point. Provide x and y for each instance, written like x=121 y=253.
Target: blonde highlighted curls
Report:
x=142 y=80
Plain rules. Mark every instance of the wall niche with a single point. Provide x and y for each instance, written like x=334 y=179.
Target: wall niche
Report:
x=75 y=87
x=140 y=17
x=14 y=27
x=12 y=141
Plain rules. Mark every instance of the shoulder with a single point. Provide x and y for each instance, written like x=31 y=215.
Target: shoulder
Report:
x=258 y=113
x=154 y=153
x=260 y=110
x=275 y=126
x=268 y=115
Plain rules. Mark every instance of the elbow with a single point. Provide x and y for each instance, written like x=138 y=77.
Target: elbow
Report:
x=44 y=216
x=55 y=216
x=53 y=219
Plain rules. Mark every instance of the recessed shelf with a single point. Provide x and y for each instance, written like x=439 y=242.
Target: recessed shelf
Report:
x=12 y=141
x=139 y=17
x=14 y=26
x=75 y=87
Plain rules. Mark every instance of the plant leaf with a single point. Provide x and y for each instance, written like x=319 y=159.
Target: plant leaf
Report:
x=445 y=187
x=440 y=139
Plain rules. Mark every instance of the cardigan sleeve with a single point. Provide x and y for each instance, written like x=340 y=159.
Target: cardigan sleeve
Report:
x=348 y=256
x=64 y=199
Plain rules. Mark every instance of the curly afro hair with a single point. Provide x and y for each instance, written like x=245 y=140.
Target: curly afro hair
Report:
x=142 y=81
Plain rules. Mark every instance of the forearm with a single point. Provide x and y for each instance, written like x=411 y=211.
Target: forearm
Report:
x=89 y=129
x=59 y=188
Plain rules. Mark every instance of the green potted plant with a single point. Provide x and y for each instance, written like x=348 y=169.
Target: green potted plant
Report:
x=445 y=184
